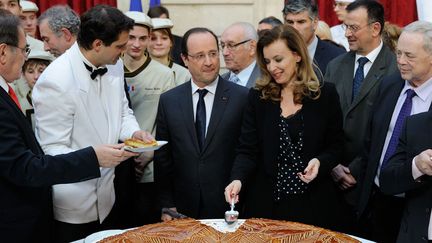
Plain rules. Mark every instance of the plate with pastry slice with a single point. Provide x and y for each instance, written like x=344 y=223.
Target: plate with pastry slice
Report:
x=139 y=146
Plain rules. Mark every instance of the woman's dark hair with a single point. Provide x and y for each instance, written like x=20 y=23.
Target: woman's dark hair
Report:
x=157 y=11
x=102 y=22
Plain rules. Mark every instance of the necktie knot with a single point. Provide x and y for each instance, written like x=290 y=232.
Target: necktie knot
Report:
x=95 y=72
x=362 y=61
x=233 y=78
x=202 y=93
x=410 y=93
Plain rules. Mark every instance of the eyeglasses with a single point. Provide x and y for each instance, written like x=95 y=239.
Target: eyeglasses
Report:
x=200 y=57
x=231 y=46
x=26 y=50
x=353 y=28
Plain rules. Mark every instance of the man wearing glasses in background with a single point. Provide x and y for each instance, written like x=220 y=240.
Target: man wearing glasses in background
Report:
x=357 y=76
x=238 y=46
x=201 y=121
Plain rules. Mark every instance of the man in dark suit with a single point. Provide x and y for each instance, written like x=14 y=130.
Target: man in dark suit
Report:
x=201 y=121
x=26 y=175
x=303 y=16
x=410 y=171
x=383 y=212
x=238 y=46
x=364 y=22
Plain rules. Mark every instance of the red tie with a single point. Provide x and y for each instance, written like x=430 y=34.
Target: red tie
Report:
x=13 y=96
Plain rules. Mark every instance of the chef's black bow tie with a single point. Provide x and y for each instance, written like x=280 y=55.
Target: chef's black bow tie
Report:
x=96 y=72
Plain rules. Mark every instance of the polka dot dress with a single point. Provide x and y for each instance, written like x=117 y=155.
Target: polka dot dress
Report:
x=289 y=161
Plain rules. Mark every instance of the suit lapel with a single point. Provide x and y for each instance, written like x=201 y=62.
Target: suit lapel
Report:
x=347 y=75
x=91 y=103
x=220 y=102
x=382 y=120
x=186 y=108
x=22 y=122
x=256 y=73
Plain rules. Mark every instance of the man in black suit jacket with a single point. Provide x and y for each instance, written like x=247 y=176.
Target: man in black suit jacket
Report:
x=383 y=212
x=303 y=16
x=357 y=108
x=192 y=171
x=26 y=175
x=410 y=171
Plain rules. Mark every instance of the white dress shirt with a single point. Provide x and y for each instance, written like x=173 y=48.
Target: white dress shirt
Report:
x=4 y=85
x=244 y=74
x=208 y=99
x=312 y=48
x=371 y=57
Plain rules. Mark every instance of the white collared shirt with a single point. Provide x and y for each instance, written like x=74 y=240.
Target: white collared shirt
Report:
x=244 y=74
x=208 y=99
x=4 y=85
x=312 y=48
x=371 y=57
x=420 y=103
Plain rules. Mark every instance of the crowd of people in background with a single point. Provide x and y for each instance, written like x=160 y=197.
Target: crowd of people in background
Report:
x=328 y=126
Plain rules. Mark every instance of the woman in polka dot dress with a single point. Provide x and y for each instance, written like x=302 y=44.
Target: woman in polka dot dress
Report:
x=291 y=138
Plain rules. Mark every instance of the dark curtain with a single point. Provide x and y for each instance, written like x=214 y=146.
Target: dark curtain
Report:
x=80 y=6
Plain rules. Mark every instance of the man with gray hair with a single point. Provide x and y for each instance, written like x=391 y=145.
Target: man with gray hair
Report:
x=303 y=16
x=58 y=27
x=387 y=169
x=238 y=46
x=410 y=170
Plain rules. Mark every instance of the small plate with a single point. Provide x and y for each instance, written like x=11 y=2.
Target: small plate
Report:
x=95 y=237
x=151 y=148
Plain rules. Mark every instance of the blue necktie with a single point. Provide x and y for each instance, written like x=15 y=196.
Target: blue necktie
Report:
x=358 y=77
x=403 y=113
x=234 y=78
x=200 y=119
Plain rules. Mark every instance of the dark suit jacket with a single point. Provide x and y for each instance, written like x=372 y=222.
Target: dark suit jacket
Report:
x=356 y=113
x=396 y=178
x=324 y=53
x=185 y=176
x=26 y=176
x=365 y=167
x=256 y=161
x=256 y=73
